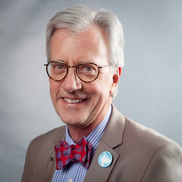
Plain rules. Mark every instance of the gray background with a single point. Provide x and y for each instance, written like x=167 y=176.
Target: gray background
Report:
x=150 y=87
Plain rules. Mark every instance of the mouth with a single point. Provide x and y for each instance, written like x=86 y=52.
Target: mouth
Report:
x=73 y=101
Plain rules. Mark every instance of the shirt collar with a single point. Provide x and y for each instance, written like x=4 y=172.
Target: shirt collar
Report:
x=95 y=135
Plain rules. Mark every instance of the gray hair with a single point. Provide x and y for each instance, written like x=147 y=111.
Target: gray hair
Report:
x=79 y=18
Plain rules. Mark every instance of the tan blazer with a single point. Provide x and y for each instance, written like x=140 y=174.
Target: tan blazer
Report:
x=139 y=155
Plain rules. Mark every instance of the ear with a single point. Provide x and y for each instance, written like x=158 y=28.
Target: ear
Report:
x=116 y=77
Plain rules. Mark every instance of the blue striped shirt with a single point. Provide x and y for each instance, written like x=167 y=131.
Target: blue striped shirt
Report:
x=75 y=171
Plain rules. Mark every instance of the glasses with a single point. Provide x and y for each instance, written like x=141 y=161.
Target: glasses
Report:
x=86 y=72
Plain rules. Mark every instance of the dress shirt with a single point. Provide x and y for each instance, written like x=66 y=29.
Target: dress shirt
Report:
x=75 y=171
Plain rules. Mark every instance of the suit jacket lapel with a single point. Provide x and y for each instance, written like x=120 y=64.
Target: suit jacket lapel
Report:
x=111 y=138
x=50 y=155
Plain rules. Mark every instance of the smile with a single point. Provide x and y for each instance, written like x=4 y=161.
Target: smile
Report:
x=73 y=101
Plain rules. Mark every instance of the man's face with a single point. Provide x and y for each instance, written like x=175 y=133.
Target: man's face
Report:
x=81 y=104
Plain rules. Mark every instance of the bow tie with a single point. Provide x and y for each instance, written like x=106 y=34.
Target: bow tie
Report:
x=75 y=153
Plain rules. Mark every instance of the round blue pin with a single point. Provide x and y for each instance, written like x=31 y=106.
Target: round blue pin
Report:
x=105 y=159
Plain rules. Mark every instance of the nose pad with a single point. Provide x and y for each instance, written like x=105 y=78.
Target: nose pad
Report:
x=71 y=82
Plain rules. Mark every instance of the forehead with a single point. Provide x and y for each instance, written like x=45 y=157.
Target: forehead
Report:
x=93 y=41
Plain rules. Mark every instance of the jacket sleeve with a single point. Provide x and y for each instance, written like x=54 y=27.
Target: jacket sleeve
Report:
x=165 y=165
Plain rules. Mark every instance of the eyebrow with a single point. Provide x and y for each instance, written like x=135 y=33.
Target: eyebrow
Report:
x=80 y=62
x=60 y=61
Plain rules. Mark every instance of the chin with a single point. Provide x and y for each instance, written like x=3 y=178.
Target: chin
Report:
x=71 y=120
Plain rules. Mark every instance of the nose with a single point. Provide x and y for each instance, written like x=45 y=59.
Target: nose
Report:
x=71 y=83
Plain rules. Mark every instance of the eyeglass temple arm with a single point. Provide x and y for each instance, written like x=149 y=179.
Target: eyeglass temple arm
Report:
x=104 y=66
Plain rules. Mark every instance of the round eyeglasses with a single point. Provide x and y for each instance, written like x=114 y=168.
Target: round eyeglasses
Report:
x=86 y=72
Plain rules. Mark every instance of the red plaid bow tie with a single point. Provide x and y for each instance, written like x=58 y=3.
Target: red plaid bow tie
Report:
x=75 y=153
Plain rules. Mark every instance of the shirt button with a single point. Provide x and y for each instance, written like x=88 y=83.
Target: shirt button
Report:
x=70 y=180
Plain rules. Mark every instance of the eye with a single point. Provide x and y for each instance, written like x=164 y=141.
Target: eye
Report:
x=87 y=69
x=58 y=67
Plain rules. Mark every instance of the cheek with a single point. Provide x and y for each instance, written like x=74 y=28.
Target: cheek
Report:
x=100 y=90
x=106 y=83
x=54 y=89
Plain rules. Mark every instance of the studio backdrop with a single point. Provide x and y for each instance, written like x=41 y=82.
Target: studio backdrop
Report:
x=150 y=89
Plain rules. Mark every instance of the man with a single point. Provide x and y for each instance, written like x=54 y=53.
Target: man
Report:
x=85 y=59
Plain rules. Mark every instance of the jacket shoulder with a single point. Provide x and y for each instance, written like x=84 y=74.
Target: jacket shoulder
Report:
x=132 y=131
x=144 y=135
x=155 y=152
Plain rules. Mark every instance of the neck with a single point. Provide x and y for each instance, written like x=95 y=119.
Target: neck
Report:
x=77 y=132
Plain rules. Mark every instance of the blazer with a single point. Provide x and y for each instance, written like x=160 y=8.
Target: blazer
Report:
x=139 y=155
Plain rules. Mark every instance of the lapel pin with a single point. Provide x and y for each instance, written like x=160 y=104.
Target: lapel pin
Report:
x=105 y=159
